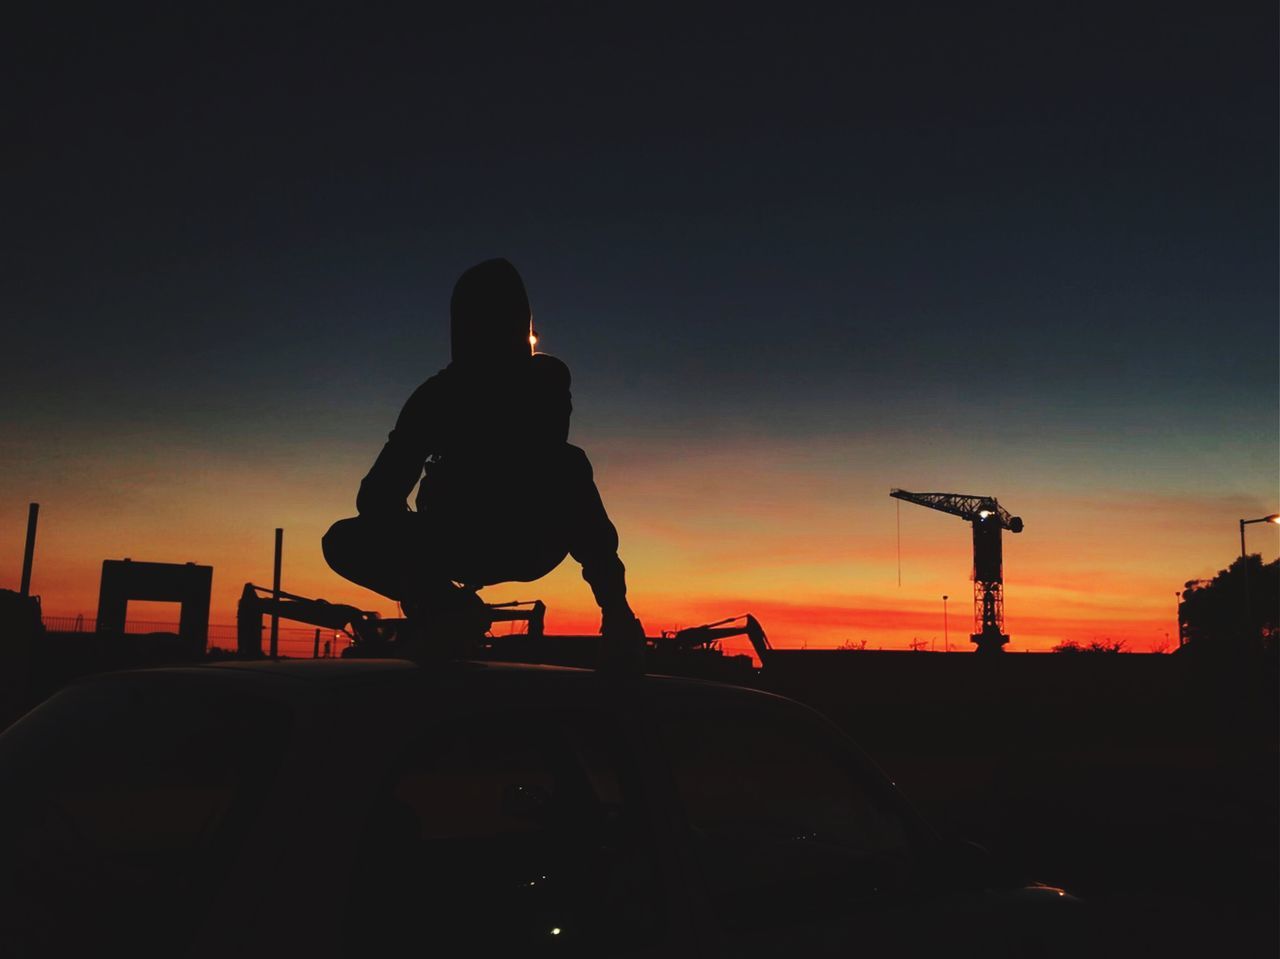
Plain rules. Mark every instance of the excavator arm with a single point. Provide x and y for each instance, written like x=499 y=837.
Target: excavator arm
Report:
x=257 y=601
x=744 y=625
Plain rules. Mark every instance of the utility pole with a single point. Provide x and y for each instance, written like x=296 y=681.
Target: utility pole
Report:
x=946 y=639
x=29 y=553
x=275 y=596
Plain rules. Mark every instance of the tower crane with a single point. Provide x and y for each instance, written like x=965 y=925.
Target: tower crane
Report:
x=989 y=518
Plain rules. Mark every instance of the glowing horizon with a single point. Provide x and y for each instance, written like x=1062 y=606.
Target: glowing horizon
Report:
x=803 y=538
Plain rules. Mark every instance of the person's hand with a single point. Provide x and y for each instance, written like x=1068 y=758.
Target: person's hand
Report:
x=617 y=619
x=621 y=643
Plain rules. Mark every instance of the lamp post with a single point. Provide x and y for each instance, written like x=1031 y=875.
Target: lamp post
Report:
x=1177 y=605
x=1273 y=518
x=946 y=639
x=1244 y=567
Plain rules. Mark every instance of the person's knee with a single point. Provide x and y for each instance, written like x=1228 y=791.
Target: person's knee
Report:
x=339 y=544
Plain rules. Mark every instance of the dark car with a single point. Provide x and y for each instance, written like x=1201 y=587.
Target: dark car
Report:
x=373 y=808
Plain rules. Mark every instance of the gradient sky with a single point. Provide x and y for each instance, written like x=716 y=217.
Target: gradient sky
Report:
x=793 y=260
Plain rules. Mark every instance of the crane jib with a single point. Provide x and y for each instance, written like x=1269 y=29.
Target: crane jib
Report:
x=963 y=505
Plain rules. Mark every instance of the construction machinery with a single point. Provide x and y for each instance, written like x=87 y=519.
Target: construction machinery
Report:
x=258 y=601
x=989 y=519
x=370 y=634
x=706 y=638
x=696 y=651
x=693 y=651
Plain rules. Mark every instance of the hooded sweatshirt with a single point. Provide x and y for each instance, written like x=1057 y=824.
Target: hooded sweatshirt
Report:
x=488 y=435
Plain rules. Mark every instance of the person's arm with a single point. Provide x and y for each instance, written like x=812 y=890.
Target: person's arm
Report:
x=387 y=485
x=594 y=544
x=550 y=399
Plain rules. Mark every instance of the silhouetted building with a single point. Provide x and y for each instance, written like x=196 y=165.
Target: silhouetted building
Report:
x=184 y=583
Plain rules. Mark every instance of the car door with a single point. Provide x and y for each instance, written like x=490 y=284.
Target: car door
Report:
x=522 y=831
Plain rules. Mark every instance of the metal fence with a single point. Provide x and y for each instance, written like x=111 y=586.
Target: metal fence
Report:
x=296 y=642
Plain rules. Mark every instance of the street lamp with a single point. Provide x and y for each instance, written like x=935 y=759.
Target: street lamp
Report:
x=1244 y=567
x=1273 y=518
x=1177 y=605
x=946 y=640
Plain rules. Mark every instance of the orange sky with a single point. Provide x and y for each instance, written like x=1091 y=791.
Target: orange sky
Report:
x=801 y=534
x=792 y=261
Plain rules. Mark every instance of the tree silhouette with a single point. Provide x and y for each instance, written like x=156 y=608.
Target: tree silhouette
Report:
x=1240 y=606
x=1071 y=647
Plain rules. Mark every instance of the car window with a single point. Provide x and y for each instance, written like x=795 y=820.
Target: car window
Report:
x=524 y=833
x=781 y=812
x=122 y=805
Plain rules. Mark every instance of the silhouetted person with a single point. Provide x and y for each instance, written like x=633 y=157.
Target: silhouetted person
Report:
x=503 y=495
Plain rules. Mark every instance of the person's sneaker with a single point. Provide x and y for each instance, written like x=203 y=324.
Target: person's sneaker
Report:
x=410 y=640
x=451 y=627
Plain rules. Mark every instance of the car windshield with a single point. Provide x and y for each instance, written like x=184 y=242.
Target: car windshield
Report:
x=127 y=792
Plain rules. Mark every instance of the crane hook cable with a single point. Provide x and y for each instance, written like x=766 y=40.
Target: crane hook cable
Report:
x=898 y=503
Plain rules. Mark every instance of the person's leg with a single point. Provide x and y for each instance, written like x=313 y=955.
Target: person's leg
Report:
x=510 y=529
x=383 y=554
x=410 y=556
x=518 y=555
x=396 y=556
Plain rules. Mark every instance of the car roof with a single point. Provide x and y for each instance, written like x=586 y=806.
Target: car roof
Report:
x=305 y=677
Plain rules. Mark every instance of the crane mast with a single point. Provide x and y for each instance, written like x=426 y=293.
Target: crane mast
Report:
x=989 y=519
